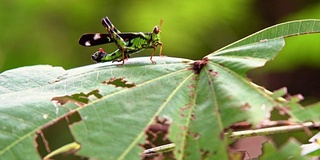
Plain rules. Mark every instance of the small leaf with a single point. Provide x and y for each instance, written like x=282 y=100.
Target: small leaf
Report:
x=290 y=150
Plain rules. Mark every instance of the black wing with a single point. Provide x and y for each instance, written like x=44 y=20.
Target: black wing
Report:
x=94 y=39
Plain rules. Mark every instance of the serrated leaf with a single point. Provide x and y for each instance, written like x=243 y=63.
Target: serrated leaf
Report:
x=307 y=113
x=287 y=29
x=290 y=150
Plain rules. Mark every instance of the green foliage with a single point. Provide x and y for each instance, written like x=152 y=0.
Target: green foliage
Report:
x=290 y=150
x=113 y=111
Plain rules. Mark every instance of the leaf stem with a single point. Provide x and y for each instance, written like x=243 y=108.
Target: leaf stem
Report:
x=273 y=130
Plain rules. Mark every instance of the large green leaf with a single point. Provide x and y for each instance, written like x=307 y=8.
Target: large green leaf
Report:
x=193 y=102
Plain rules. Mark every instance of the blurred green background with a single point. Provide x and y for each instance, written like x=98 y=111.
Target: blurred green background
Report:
x=47 y=31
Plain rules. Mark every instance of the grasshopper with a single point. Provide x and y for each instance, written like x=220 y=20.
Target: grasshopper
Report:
x=127 y=43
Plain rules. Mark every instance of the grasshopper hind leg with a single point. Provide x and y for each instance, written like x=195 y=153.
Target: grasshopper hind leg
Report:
x=113 y=32
x=120 y=43
x=106 y=21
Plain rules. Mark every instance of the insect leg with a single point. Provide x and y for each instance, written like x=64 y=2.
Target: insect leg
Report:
x=160 y=54
x=154 y=49
x=113 y=33
x=153 y=62
x=123 y=57
x=107 y=20
x=120 y=43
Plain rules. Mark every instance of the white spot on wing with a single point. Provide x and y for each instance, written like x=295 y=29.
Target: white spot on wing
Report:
x=87 y=43
x=97 y=36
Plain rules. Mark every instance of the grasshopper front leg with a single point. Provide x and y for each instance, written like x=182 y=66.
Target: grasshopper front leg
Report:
x=154 y=49
x=160 y=54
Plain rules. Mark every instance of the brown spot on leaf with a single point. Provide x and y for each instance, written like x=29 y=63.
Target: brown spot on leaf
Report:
x=188 y=106
x=183 y=109
x=191 y=86
x=213 y=73
x=204 y=153
x=183 y=127
x=192 y=94
x=193 y=116
x=196 y=135
x=198 y=65
x=79 y=99
x=245 y=107
x=119 y=82
x=56 y=134
x=156 y=135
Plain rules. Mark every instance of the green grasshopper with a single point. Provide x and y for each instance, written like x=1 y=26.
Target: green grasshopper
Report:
x=127 y=43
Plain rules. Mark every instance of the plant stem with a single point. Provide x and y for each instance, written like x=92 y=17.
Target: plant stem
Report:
x=273 y=130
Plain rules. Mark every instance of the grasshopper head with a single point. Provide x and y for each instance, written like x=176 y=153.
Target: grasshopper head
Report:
x=156 y=32
x=97 y=56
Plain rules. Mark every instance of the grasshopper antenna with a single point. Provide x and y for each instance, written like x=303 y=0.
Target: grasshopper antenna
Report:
x=161 y=21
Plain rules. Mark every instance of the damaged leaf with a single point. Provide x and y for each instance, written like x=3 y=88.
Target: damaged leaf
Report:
x=127 y=109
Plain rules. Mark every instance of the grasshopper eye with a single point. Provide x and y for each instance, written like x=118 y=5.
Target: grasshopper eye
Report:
x=156 y=30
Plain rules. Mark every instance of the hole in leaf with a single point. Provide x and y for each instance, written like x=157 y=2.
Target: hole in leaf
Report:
x=157 y=136
x=79 y=99
x=55 y=135
x=119 y=82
